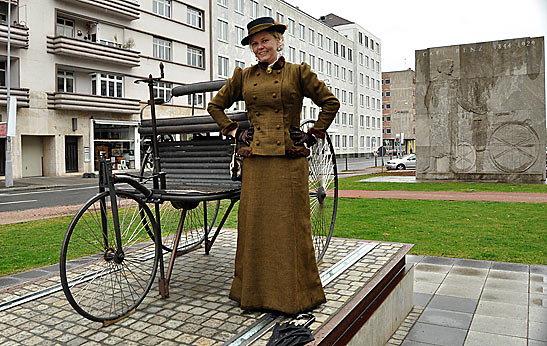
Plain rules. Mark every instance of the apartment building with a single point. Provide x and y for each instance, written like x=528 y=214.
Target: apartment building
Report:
x=343 y=54
x=73 y=68
x=399 y=110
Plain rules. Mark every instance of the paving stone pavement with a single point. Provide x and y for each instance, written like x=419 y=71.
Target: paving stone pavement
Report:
x=197 y=312
x=475 y=303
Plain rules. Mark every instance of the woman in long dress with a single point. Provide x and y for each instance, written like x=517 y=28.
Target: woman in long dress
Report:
x=275 y=266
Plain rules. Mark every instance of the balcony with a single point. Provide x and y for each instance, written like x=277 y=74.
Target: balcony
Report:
x=19 y=35
x=79 y=48
x=92 y=103
x=22 y=95
x=127 y=9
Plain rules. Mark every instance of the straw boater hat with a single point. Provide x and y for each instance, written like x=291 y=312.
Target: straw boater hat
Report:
x=261 y=24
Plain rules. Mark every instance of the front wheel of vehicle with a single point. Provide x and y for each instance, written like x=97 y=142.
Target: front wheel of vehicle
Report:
x=400 y=166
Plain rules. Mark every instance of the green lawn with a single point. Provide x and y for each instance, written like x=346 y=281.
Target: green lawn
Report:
x=511 y=232
x=352 y=183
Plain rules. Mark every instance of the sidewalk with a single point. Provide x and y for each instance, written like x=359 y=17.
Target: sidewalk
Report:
x=47 y=182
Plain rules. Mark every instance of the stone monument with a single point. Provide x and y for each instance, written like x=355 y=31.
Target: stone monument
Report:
x=480 y=112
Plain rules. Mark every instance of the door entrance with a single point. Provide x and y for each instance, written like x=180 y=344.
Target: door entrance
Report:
x=71 y=154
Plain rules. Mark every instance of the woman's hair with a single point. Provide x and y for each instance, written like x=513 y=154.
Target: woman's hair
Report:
x=278 y=36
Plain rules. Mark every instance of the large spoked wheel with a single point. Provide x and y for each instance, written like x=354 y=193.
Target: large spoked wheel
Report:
x=104 y=284
x=323 y=185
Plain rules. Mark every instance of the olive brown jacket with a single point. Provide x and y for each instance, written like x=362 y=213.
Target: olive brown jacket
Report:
x=274 y=103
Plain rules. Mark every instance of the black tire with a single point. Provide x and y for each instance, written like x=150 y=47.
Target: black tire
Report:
x=323 y=185
x=101 y=286
x=401 y=167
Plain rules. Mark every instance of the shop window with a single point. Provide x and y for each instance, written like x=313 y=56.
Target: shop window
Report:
x=116 y=143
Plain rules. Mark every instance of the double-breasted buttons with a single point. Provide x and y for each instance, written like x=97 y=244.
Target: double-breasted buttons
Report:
x=278 y=142
x=274 y=95
x=255 y=84
x=278 y=71
x=254 y=97
x=278 y=127
x=275 y=82
x=257 y=143
x=257 y=113
x=258 y=128
x=258 y=74
x=277 y=110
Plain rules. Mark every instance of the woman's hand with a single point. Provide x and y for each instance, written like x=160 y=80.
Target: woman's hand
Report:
x=245 y=136
x=232 y=133
x=300 y=137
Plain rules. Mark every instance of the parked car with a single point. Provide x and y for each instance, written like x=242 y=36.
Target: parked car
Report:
x=405 y=162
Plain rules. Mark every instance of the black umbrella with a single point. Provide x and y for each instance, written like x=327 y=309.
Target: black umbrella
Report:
x=292 y=334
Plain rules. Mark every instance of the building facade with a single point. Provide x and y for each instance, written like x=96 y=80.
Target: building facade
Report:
x=399 y=111
x=342 y=53
x=74 y=64
x=73 y=68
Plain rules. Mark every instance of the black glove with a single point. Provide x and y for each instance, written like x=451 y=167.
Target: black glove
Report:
x=245 y=136
x=300 y=137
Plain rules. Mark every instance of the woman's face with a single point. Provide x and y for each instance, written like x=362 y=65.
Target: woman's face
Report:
x=264 y=46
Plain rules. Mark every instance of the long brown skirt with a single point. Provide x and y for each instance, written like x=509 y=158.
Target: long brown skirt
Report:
x=275 y=266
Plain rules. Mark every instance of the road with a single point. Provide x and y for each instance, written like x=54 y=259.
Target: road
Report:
x=354 y=163
x=41 y=198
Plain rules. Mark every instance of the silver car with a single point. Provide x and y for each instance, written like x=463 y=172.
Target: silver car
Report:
x=406 y=162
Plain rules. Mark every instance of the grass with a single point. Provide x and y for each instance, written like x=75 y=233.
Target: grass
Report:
x=352 y=183
x=498 y=231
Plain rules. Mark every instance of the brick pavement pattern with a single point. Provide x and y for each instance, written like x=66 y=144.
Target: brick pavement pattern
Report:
x=527 y=197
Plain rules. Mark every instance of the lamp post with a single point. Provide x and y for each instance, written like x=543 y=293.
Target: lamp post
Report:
x=9 y=163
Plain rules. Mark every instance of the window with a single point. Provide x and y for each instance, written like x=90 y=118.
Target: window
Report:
x=377 y=48
x=388 y=81
x=344 y=118
x=373 y=103
x=335 y=48
x=378 y=86
x=320 y=64
x=360 y=38
x=361 y=59
x=65 y=81
x=343 y=77
x=337 y=118
x=372 y=63
x=336 y=70
x=329 y=68
x=312 y=112
x=302 y=31
x=194 y=17
x=368 y=121
x=222 y=66
x=240 y=34
x=388 y=118
x=344 y=141
x=368 y=101
x=312 y=61
x=350 y=98
x=372 y=44
x=223 y=3
x=267 y=11
x=350 y=120
x=361 y=120
x=337 y=141
x=367 y=81
x=350 y=143
x=344 y=93
x=238 y=6
x=337 y=93
x=240 y=64
x=292 y=54
x=280 y=17
x=107 y=85
x=361 y=79
x=65 y=27
x=388 y=130
x=222 y=30
x=343 y=51
x=290 y=26
x=162 y=7
x=254 y=9
x=304 y=112
x=162 y=48
x=163 y=90
x=350 y=54
x=362 y=141
x=366 y=41
x=368 y=141
x=388 y=106
x=320 y=40
x=302 y=56
x=378 y=66
x=378 y=123
x=378 y=104
x=366 y=61
x=328 y=44
x=311 y=35
x=388 y=93
x=373 y=122
x=194 y=56
x=350 y=76
x=361 y=100
x=197 y=100
x=372 y=83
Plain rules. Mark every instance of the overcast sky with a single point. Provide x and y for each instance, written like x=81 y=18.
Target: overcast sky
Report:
x=404 y=26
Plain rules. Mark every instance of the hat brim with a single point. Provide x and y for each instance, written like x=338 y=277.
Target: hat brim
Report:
x=280 y=28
